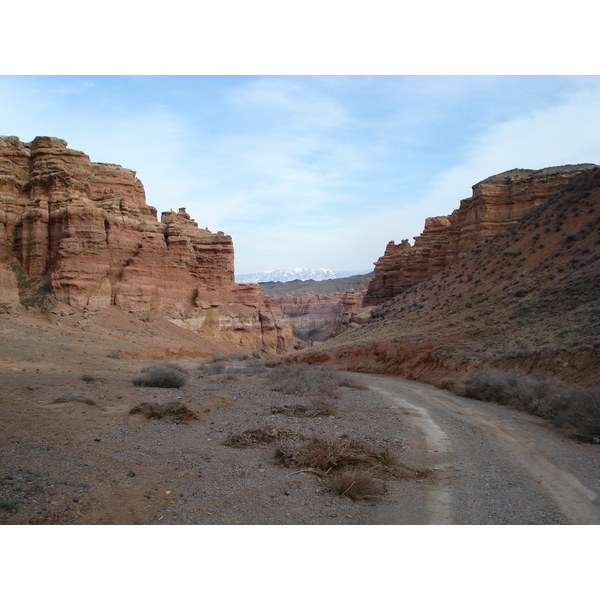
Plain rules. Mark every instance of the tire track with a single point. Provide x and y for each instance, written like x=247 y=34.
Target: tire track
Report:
x=577 y=502
x=439 y=447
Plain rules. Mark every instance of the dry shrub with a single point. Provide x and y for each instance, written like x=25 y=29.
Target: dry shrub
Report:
x=255 y=366
x=339 y=454
x=171 y=411
x=80 y=399
x=350 y=381
x=161 y=376
x=299 y=410
x=213 y=368
x=575 y=410
x=304 y=379
x=357 y=484
x=254 y=437
x=228 y=357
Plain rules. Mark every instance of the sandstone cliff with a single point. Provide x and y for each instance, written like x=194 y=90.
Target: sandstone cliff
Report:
x=85 y=231
x=496 y=203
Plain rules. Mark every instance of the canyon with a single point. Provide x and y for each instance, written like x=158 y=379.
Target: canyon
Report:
x=319 y=310
x=78 y=238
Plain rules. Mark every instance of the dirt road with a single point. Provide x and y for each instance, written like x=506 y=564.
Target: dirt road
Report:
x=492 y=464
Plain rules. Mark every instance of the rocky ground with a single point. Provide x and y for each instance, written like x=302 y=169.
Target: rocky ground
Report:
x=72 y=453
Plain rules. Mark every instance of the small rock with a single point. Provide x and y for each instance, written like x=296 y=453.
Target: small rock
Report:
x=130 y=474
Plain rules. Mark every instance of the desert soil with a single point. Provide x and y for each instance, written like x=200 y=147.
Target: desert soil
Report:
x=71 y=452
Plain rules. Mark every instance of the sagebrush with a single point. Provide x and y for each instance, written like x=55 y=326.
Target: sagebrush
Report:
x=161 y=376
x=304 y=379
x=575 y=410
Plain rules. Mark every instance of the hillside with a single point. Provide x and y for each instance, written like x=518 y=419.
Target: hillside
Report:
x=526 y=298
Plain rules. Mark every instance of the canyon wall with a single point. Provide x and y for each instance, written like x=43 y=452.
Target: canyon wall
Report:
x=85 y=231
x=496 y=203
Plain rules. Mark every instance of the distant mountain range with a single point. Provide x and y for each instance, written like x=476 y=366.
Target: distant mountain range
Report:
x=295 y=274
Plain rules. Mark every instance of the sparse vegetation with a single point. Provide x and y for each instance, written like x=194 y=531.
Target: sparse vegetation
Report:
x=232 y=366
x=89 y=378
x=33 y=292
x=303 y=379
x=575 y=410
x=80 y=399
x=299 y=410
x=335 y=454
x=255 y=437
x=161 y=376
x=171 y=411
x=357 y=484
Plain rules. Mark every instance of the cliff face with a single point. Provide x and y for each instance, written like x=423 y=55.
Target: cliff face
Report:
x=85 y=230
x=496 y=203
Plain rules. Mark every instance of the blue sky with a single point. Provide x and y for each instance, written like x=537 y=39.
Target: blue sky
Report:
x=311 y=171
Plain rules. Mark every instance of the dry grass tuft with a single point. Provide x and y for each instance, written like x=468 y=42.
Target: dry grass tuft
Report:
x=254 y=437
x=171 y=411
x=299 y=410
x=336 y=454
x=80 y=399
x=357 y=485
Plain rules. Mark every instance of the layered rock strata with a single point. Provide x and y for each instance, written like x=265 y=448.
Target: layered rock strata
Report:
x=496 y=203
x=85 y=230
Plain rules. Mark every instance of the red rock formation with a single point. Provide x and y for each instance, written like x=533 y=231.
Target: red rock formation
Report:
x=496 y=203
x=85 y=229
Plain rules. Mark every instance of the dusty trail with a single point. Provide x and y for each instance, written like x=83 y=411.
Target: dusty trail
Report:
x=494 y=465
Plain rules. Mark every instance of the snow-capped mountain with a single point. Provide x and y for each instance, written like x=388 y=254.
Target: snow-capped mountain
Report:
x=296 y=273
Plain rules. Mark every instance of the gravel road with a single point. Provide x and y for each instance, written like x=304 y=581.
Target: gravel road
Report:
x=492 y=464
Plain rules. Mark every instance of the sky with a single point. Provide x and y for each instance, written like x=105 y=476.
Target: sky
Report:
x=311 y=171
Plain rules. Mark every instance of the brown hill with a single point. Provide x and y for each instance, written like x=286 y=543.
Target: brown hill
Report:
x=528 y=298
x=78 y=236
